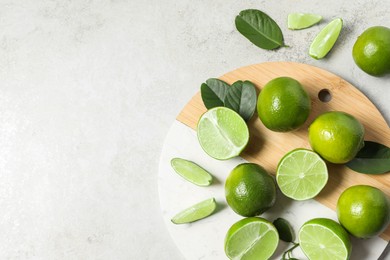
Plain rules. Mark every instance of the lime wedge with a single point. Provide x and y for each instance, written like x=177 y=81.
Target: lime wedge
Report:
x=196 y=212
x=297 y=21
x=325 y=39
x=191 y=172
x=222 y=133
x=324 y=239
x=301 y=174
x=251 y=238
x=285 y=230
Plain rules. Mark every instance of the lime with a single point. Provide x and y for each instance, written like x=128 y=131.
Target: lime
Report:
x=296 y=21
x=196 y=212
x=251 y=238
x=250 y=190
x=336 y=136
x=283 y=104
x=191 y=172
x=324 y=239
x=371 y=51
x=364 y=211
x=325 y=39
x=301 y=174
x=285 y=230
x=222 y=133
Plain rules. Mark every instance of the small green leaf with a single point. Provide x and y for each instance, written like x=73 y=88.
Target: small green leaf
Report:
x=241 y=97
x=373 y=158
x=260 y=29
x=286 y=232
x=213 y=92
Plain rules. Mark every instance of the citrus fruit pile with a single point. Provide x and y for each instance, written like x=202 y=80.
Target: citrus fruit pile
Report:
x=283 y=105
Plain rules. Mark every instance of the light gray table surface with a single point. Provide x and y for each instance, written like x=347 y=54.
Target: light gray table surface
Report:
x=88 y=91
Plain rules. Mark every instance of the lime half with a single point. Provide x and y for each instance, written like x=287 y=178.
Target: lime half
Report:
x=297 y=21
x=196 y=212
x=251 y=238
x=222 y=133
x=324 y=239
x=191 y=172
x=301 y=174
x=325 y=39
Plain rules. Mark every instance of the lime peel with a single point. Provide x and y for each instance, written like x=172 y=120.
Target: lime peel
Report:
x=297 y=21
x=196 y=212
x=325 y=39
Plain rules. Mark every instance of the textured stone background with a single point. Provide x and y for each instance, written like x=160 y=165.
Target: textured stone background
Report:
x=88 y=91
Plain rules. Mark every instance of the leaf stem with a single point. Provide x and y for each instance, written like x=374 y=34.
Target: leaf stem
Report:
x=287 y=255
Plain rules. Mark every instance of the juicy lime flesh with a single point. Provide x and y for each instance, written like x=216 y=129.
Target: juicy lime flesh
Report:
x=301 y=174
x=250 y=190
x=196 y=212
x=283 y=104
x=191 y=172
x=324 y=239
x=371 y=51
x=222 y=133
x=364 y=211
x=297 y=21
x=325 y=39
x=336 y=136
x=251 y=238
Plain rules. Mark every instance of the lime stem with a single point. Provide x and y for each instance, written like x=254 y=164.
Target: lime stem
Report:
x=287 y=254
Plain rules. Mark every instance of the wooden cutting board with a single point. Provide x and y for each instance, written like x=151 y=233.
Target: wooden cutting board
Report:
x=267 y=148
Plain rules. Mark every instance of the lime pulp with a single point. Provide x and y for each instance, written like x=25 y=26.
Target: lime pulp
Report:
x=191 y=172
x=297 y=21
x=196 y=212
x=325 y=39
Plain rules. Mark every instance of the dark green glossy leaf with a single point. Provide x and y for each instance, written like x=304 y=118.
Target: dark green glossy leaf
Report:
x=373 y=158
x=286 y=232
x=242 y=97
x=260 y=29
x=213 y=92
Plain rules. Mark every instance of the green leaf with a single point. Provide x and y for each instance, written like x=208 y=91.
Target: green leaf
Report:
x=213 y=92
x=260 y=29
x=285 y=230
x=373 y=158
x=241 y=97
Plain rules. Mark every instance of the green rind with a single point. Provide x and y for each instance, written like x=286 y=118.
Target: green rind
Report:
x=196 y=212
x=325 y=39
x=204 y=178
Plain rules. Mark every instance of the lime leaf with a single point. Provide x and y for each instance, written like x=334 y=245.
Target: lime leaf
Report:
x=325 y=39
x=213 y=92
x=373 y=158
x=297 y=21
x=286 y=232
x=191 y=172
x=241 y=97
x=260 y=29
x=196 y=212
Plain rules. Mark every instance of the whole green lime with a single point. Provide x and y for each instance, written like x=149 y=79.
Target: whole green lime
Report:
x=364 y=211
x=336 y=136
x=371 y=51
x=250 y=190
x=283 y=104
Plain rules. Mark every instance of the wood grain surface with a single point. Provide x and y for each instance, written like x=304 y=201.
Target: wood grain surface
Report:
x=267 y=147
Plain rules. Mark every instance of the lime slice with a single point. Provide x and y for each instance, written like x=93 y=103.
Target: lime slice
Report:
x=251 y=238
x=325 y=39
x=196 y=212
x=301 y=174
x=222 y=133
x=297 y=21
x=324 y=239
x=285 y=230
x=191 y=172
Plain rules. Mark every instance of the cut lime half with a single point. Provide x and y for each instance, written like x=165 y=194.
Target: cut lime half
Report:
x=191 y=172
x=251 y=238
x=325 y=39
x=324 y=239
x=196 y=212
x=301 y=174
x=297 y=21
x=222 y=133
